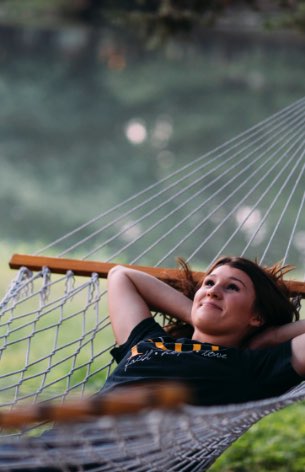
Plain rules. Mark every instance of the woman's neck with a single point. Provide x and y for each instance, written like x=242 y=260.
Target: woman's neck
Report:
x=228 y=340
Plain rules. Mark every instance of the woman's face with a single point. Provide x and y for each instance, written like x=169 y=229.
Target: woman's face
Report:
x=224 y=305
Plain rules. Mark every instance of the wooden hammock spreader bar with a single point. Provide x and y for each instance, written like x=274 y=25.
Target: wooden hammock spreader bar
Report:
x=86 y=268
x=123 y=400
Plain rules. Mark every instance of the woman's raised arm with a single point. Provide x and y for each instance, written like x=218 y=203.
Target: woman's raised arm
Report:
x=294 y=331
x=277 y=334
x=131 y=296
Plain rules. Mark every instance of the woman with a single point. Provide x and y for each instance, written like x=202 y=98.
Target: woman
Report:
x=245 y=345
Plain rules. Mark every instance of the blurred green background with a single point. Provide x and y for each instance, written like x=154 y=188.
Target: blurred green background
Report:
x=98 y=103
x=100 y=99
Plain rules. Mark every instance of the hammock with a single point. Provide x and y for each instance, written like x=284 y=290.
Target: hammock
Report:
x=55 y=334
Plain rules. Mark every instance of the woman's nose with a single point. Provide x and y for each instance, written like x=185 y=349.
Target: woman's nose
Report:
x=213 y=292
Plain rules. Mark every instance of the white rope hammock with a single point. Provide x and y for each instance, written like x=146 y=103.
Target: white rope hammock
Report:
x=55 y=335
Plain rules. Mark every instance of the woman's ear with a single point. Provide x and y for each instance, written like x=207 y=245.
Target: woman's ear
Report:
x=257 y=320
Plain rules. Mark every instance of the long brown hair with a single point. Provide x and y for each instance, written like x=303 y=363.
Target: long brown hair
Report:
x=272 y=298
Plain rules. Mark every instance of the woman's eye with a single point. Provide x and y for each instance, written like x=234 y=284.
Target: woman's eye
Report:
x=209 y=283
x=233 y=287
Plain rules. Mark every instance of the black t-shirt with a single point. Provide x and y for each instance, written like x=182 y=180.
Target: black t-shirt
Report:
x=216 y=374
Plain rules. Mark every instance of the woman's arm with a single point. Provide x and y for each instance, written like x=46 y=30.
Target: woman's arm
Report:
x=277 y=335
x=131 y=296
x=298 y=354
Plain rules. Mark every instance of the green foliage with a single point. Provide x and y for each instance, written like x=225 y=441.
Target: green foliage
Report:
x=155 y=20
x=65 y=157
x=274 y=444
x=65 y=106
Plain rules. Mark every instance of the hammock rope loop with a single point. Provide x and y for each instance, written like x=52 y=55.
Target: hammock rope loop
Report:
x=246 y=197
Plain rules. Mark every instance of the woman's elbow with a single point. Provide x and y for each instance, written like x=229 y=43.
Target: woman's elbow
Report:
x=298 y=354
x=115 y=270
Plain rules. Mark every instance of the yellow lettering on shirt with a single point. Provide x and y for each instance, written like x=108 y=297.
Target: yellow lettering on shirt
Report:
x=134 y=351
x=160 y=345
x=178 y=347
x=196 y=347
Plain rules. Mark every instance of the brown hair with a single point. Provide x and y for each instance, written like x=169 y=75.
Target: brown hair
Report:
x=272 y=298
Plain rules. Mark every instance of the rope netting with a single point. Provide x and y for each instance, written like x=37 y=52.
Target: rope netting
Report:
x=246 y=189
x=185 y=438
x=246 y=197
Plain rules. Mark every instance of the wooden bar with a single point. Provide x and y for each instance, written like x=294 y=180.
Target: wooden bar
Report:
x=86 y=268
x=123 y=400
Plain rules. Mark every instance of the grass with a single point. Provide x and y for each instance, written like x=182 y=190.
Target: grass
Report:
x=273 y=444
x=52 y=345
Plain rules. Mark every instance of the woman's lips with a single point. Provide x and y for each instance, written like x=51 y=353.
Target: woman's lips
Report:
x=210 y=304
